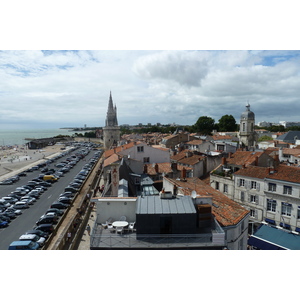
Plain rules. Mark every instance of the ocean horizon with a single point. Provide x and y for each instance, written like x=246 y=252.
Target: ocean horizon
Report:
x=18 y=136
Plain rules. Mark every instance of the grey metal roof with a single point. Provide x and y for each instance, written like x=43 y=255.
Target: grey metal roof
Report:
x=156 y=205
x=248 y=114
x=289 y=137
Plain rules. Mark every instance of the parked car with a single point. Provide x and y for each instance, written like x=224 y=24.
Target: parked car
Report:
x=55 y=210
x=3 y=224
x=16 y=211
x=20 y=205
x=65 y=200
x=45 y=227
x=59 y=205
x=4 y=218
x=34 y=238
x=40 y=233
x=22 y=174
x=9 y=214
x=6 y=182
x=23 y=245
x=47 y=220
x=10 y=200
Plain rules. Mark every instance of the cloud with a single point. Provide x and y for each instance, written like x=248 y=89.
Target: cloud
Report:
x=186 y=68
x=71 y=88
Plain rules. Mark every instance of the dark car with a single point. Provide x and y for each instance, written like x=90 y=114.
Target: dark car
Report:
x=45 y=227
x=55 y=210
x=47 y=220
x=22 y=174
x=38 y=232
x=9 y=214
x=4 y=218
x=3 y=224
x=59 y=205
x=65 y=200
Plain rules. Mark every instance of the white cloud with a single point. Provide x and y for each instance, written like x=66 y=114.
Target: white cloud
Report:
x=71 y=88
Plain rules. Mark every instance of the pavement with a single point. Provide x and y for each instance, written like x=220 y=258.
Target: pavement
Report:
x=14 y=161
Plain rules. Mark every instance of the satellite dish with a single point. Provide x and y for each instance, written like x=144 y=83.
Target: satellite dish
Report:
x=194 y=194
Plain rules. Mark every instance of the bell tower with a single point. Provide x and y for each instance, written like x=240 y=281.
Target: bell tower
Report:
x=247 y=133
x=111 y=131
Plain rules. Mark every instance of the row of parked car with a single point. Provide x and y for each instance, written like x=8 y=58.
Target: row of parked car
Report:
x=24 y=196
x=35 y=238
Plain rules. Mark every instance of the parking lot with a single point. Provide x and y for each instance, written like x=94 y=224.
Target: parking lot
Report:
x=77 y=163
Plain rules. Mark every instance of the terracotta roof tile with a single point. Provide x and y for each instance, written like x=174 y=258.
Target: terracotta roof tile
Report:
x=226 y=211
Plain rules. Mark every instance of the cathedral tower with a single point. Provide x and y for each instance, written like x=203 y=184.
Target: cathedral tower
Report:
x=111 y=131
x=247 y=132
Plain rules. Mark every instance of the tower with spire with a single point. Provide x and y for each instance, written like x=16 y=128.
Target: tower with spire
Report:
x=111 y=131
x=247 y=133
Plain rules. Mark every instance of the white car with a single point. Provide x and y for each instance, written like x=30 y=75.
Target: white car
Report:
x=20 y=205
x=16 y=211
x=34 y=238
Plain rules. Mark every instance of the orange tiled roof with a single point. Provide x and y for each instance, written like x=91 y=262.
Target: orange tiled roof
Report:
x=291 y=151
x=110 y=160
x=282 y=172
x=192 y=160
x=226 y=211
x=243 y=158
x=118 y=149
x=195 y=142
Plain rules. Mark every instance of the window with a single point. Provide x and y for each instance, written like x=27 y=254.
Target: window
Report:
x=242 y=182
x=217 y=185
x=287 y=190
x=225 y=188
x=271 y=205
x=253 y=185
x=286 y=209
x=242 y=196
x=146 y=159
x=298 y=213
x=254 y=199
x=140 y=148
x=244 y=127
x=252 y=213
x=272 y=187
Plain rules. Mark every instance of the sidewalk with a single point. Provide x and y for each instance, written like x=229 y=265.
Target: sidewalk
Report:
x=23 y=160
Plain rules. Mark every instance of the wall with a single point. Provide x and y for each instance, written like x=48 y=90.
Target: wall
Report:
x=115 y=209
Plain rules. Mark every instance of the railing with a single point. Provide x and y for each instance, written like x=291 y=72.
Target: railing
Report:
x=142 y=241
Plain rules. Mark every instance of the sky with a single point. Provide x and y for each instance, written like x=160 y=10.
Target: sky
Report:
x=171 y=65
x=71 y=88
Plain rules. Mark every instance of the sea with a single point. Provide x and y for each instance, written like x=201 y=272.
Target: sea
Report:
x=17 y=137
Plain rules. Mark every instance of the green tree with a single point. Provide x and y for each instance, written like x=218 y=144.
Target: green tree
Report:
x=205 y=125
x=265 y=138
x=227 y=123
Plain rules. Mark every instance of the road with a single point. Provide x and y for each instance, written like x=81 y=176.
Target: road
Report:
x=26 y=221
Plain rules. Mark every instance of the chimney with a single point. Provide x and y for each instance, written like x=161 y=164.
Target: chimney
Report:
x=243 y=166
x=183 y=173
x=156 y=168
x=145 y=169
x=224 y=161
x=256 y=161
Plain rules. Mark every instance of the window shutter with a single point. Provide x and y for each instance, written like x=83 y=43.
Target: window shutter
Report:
x=255 y=213
x=257 y=186
x=238 y=182
x=257 y=199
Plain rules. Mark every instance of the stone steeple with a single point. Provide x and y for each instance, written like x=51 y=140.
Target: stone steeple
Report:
x=111 y=117
x=111 y=131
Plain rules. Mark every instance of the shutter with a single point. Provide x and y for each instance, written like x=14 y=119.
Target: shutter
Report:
x=257 y=199
x=255 y=213
x=238 y=182
x=257 y=186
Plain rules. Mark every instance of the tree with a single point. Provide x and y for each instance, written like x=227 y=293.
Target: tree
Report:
x=227 y=123
x=205 y=125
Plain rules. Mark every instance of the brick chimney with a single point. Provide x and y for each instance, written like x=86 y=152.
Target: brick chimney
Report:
x=183 y=173
x=156 y=168
x=256 y=161
x=145 y=169
x=223 y=161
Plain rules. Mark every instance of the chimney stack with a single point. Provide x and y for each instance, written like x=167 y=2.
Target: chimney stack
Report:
x=145 y=169
x=183 y=173
x=156 y=168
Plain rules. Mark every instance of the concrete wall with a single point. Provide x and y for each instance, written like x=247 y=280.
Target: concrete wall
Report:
x=115 y=208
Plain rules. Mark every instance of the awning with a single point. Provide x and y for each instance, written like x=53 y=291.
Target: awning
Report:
x=297 y=229
x=270 y=221
x=285 y=225
x=262 y=244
